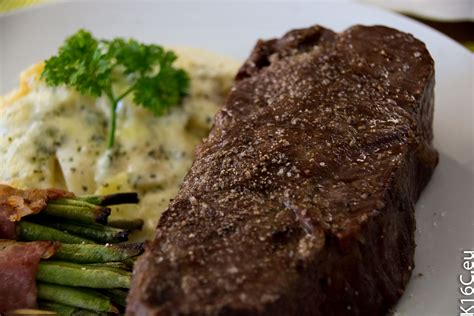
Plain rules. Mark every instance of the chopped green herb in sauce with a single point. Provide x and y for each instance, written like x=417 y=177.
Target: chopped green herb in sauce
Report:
x=90 y=65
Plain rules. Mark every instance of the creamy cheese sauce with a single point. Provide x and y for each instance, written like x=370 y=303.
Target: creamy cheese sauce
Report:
x=55 y=137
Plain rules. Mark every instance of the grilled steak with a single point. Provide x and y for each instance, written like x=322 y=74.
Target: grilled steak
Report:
x=301 y=200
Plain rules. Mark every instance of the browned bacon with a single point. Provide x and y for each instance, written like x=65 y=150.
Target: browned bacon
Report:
x=16 y=203
x=19 y=261
x=18 y=266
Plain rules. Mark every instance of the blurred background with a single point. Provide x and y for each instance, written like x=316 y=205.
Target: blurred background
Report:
x=455 y=18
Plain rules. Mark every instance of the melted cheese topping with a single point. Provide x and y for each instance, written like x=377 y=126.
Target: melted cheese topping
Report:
x=55 y=137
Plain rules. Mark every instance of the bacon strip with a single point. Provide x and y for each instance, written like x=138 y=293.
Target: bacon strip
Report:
x=18 y=267
x=16 y=203
x=19 y=260
x=7 y=227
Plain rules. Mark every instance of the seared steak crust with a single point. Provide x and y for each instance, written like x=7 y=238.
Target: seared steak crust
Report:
x=301 y=200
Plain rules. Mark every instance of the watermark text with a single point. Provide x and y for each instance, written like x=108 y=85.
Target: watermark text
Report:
x=466 y=280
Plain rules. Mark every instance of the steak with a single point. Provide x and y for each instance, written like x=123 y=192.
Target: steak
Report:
x=301 y=200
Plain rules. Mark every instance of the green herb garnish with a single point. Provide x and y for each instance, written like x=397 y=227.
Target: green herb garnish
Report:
x=92 y=66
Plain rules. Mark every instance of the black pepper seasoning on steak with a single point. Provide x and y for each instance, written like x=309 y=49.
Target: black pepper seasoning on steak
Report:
x=301 y=200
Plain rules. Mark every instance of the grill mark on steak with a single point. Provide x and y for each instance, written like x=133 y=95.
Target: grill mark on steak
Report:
x=301 y=200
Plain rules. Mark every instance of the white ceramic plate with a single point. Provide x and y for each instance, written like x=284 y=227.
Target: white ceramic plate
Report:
x=444 y=212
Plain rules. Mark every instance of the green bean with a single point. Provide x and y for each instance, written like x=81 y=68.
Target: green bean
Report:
x=82 y=214
x=29 y=312
x=32 y=231
x=65 y=310
x=113 y=266
x=73 y=202
x=97 y=253
x=130 y=262
x=72 y=274
x=59 y=309
x=118 y=296
x=96 y=232
x=111 y=199
x=77 y=297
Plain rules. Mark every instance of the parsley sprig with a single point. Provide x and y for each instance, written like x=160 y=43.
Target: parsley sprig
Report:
x=93 y=66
